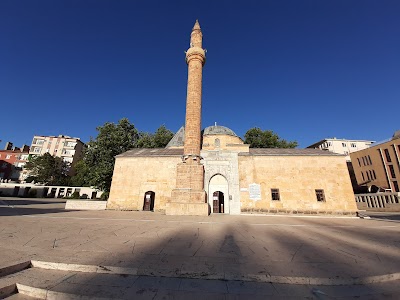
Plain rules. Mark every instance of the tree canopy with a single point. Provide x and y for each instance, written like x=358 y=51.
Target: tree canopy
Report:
x=258 y=138
x=159 y=139
x=97 y=166
x=48 y=169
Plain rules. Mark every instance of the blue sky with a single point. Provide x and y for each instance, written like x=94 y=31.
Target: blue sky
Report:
x=304 y=69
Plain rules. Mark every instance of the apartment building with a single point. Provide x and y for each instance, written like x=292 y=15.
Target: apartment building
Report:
x=70 y=149
x=379 y=165
x=341 y=146
x=12 y=161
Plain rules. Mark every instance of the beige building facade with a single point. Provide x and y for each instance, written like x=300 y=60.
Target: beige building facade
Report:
x=379 y=165
x=70 y=149
x=342 y=146
x=213 y=171
x=237 y=179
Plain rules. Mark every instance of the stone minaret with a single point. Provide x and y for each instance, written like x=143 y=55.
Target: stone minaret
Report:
x=189 y=197
x=195 y=59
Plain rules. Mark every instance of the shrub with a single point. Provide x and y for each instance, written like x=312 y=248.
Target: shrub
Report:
x=32 y=193
x=75 y=195
x=104 y=196
x=84 y=196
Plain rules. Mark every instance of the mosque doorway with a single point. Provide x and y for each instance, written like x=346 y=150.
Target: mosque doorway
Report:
x=148 y=203
x=218 y=195
x=218 y=202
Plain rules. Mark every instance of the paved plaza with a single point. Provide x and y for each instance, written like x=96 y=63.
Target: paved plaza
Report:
x=58 y=253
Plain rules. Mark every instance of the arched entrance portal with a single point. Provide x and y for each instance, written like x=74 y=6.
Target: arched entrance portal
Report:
x=218 y=194
x=148 y=204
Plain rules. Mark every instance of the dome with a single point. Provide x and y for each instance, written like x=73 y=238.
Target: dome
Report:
x=218 y=130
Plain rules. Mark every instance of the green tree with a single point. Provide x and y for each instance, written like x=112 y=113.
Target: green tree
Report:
x=146 y=140
x=48 y=169
x=81 y=174
x=97 y=165
x=159 y=139
x=258 y=138
x=162 y=136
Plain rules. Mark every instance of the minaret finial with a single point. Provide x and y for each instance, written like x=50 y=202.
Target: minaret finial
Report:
x=196 y=26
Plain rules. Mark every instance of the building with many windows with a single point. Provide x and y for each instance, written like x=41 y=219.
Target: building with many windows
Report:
x=341 y=146
x=379 y=165
x=70 y=149
x=12 y=161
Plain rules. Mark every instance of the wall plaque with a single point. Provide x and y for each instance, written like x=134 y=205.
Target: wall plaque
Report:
x=255 y=191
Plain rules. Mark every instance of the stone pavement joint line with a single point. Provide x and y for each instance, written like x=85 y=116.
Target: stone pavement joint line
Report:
x=220 y=276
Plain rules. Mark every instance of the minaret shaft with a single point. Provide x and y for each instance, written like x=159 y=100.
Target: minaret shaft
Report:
x=189 y=197
x=195 y=58
x=193 y=109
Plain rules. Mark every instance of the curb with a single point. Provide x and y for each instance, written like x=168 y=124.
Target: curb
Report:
x=218 y=276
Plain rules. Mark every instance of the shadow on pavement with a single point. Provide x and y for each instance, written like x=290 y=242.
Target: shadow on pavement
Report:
x=178 y=255
x=30 y=201
x=31 y=206
x=18 y=211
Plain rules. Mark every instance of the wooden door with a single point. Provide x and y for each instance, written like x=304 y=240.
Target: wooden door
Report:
x=216 y=208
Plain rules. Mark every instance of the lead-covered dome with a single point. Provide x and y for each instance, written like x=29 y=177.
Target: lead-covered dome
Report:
x=218 y=130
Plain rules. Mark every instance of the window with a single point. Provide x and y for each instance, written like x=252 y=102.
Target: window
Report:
x=8 y=156
x=217 y=143
x=353 y=145
x=373 y=172
x=369 y=178
x=344 y=145
x=359 y=163
x=275 y=194
x=320 y=195
x=396 y=186
x=346 y=152
x=370 y=161
x=37 y=149
x=362 y=174
x=388 y=159
x=392 y=173
x=370 y=174
x=38 y=142
x=363 y=159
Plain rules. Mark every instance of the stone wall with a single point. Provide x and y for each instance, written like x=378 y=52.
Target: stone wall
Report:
x=297 y=178
x=134 y=176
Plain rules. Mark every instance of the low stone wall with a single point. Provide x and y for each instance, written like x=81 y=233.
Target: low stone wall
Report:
x=85 y=205
x=385 y=202
x=298 y=212
x=42 y=191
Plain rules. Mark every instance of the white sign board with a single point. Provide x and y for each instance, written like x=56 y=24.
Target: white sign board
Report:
x=254 y=191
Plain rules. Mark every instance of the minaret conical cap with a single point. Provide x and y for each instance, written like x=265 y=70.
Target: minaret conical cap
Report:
x=196 y=26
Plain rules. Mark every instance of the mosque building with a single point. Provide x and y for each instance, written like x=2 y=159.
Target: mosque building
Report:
x=213 y=171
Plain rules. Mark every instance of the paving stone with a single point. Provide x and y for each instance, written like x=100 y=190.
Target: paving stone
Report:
x=165 y=283
x=250 y=288
x=201 y=285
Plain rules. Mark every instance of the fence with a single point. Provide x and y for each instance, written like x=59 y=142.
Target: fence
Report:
x=378 y=202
